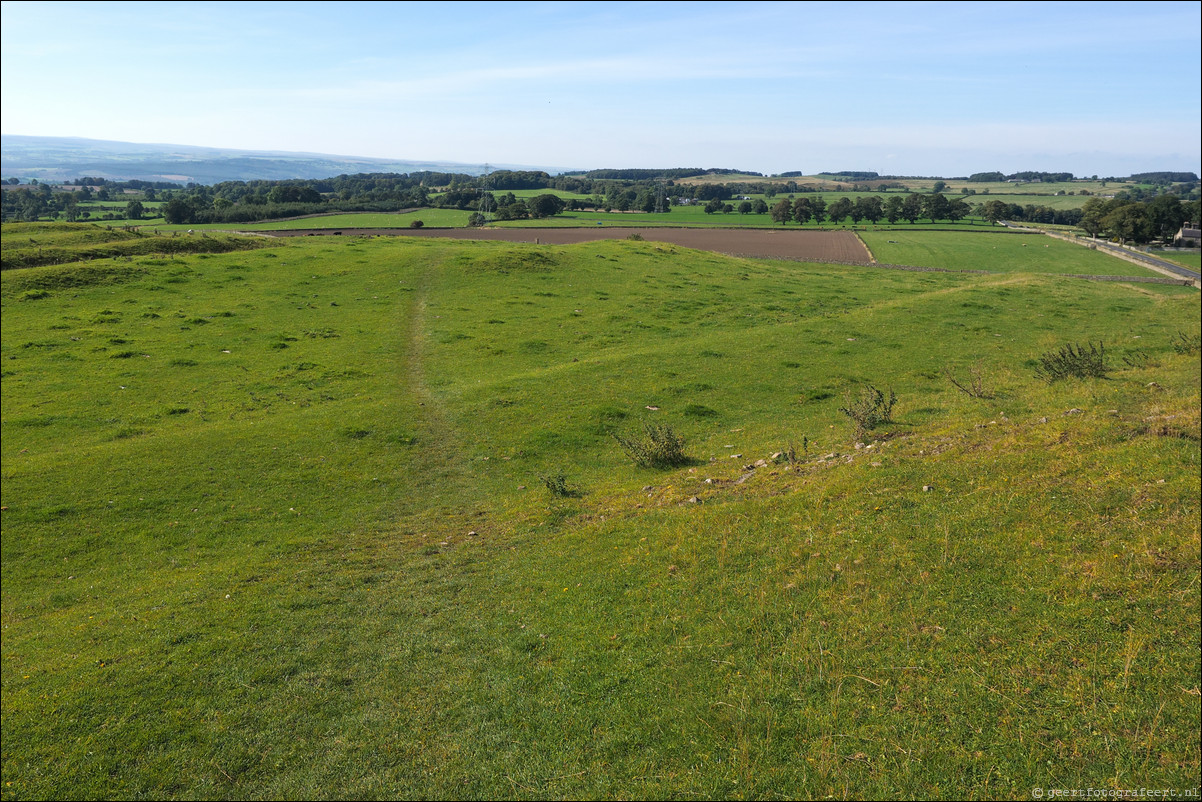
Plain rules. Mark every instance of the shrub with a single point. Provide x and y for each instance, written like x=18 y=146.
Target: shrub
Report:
x=416 y=224
x=1186 y=343
x=975 y=386
x=1073 y=362
x=557 y=485
x=789 y=454
x=658 y=447
x=871 y=409
x=1139 y=358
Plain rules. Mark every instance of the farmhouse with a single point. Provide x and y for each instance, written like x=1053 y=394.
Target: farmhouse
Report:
x=1188 y=236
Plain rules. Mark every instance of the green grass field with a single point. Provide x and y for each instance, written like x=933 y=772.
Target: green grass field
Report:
x=438 y=218
x=454 y=218
x=40 y=244
x=1185 y=259
x=1000 y=252
x=345 y=518
x=953 y=185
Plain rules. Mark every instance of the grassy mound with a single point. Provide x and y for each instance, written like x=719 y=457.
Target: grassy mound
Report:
x=41 y=244
x=345 y=517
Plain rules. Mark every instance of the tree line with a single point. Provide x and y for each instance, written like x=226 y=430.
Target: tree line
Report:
x=1134 y=215
x=911 y=207
x=1138 y=221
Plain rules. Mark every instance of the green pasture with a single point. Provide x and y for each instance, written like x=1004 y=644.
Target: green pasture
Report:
x=1021 y=198
x=346 y=518
x=436 y=218
x=454 y=218
x=119 y=203
x=953 y=185
x=996 y=252
x=679 y=216
x=1192 y=260
x=38 y=244
x=525 y=194
x=697 y=217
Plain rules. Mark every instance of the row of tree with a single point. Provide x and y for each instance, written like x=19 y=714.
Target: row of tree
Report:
x=1130 y=216
x=911 y=208
x=1138 y=221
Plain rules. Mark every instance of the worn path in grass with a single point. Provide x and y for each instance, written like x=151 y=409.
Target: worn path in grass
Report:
x=439 y=470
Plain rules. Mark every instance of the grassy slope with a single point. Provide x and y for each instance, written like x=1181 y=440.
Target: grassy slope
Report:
x=41 y=244
x=251 y=573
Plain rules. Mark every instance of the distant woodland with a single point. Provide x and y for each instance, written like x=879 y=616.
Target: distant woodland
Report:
x=1154 y=208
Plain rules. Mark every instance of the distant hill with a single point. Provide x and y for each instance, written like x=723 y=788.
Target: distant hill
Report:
x=56 y=159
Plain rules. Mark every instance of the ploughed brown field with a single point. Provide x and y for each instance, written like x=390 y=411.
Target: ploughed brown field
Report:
x=815 y=246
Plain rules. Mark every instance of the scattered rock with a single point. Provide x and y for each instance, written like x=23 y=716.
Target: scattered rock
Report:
x=1074 y=411
x=761 y=463
x=927 y=488
x=473 y=533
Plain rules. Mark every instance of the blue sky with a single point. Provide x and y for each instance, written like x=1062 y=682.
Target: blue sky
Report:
x=937 y=88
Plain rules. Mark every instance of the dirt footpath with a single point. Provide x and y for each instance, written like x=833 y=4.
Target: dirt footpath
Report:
x=811 y=246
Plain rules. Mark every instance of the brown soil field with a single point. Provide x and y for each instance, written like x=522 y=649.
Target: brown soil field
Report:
x=809 y=246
